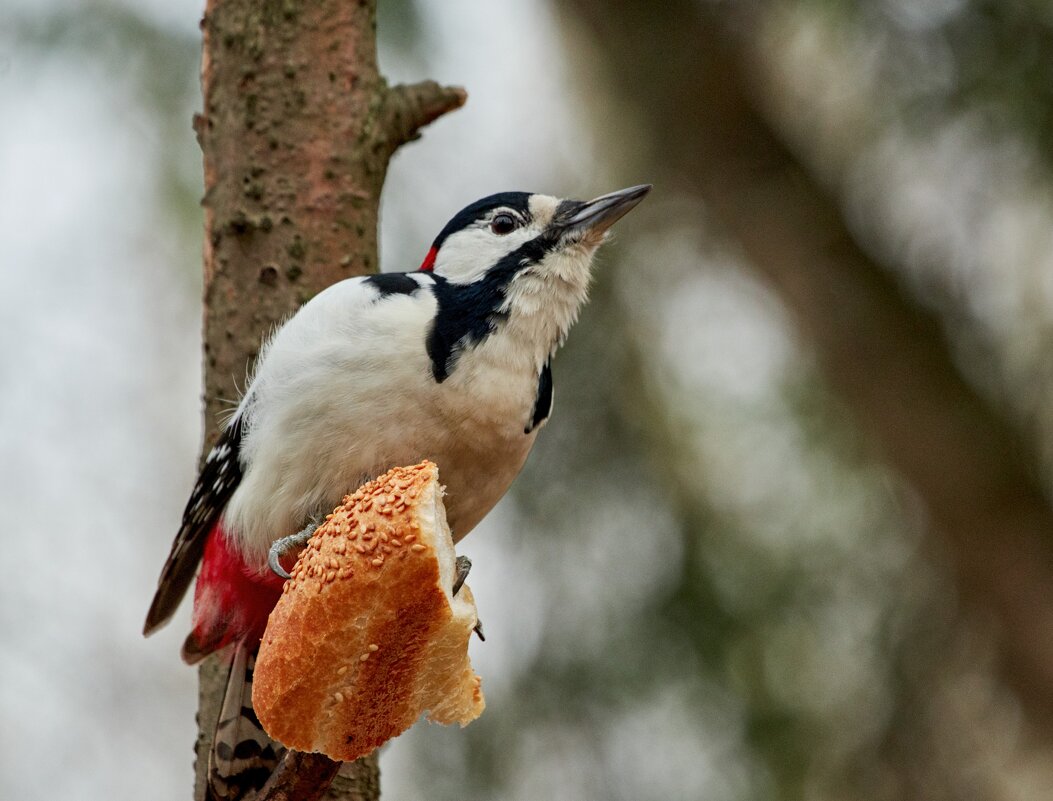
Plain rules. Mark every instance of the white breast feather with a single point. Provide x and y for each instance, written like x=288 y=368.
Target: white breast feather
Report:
x=345 y=391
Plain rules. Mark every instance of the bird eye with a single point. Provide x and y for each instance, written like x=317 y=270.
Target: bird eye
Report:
x=503 y=224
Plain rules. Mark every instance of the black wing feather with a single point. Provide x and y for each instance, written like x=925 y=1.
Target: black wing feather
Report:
x=219 y=478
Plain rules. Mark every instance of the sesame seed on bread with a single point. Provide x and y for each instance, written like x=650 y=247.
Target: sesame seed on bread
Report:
x=367 y=635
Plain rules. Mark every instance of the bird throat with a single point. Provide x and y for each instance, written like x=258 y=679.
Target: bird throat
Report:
x=513 y=299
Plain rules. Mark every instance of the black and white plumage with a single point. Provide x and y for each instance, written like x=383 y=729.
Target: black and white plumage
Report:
x=451 y=363
x=219 y=478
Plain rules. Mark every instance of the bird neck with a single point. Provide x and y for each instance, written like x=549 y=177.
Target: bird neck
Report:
x=538 y=312
x=515 y=316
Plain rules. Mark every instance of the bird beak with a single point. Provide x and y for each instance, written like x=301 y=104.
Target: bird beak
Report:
x=596 y=216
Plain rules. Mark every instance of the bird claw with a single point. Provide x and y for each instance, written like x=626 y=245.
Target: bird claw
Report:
x=282 y=546
x=462 y=566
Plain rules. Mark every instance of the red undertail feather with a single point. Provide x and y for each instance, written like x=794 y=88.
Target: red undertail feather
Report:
x=231 y=600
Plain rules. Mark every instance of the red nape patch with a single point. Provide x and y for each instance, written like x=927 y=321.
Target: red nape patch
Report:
x=231 y=600
x=429 y=261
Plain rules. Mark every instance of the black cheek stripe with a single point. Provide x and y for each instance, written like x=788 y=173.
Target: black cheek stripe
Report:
x=543 y=399
x=468 y=313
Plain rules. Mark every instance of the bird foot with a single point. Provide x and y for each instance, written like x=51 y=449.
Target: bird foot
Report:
x=463 y=565
x=286 y=544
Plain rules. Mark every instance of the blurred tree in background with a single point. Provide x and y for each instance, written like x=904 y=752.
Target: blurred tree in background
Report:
x=788 y=534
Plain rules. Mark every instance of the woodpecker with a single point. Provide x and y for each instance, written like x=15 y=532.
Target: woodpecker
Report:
x=451 y=363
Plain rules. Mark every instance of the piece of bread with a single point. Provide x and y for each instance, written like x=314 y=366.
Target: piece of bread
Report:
x=367 y=635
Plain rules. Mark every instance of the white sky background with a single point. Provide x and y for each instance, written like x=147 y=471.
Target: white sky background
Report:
x=100 y=371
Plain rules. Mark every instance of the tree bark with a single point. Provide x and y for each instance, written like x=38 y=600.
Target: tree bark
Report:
x=303 y=777
x=883 y=354
x=297 y=130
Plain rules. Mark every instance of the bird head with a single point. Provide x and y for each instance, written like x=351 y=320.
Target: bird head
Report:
x=514 y=231
x=518 y=263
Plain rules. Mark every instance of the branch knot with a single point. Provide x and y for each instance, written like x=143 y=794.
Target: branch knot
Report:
x=409 y=107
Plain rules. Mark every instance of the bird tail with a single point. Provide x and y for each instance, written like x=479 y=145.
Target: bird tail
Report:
x=243 y=756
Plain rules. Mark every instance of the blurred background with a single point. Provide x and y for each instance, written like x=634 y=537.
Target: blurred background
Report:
x=788 y=533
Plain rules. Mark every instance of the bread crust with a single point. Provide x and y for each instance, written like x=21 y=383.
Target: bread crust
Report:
x=366 y=635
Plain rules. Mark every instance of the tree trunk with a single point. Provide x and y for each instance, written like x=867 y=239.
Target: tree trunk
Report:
x=297 y=130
